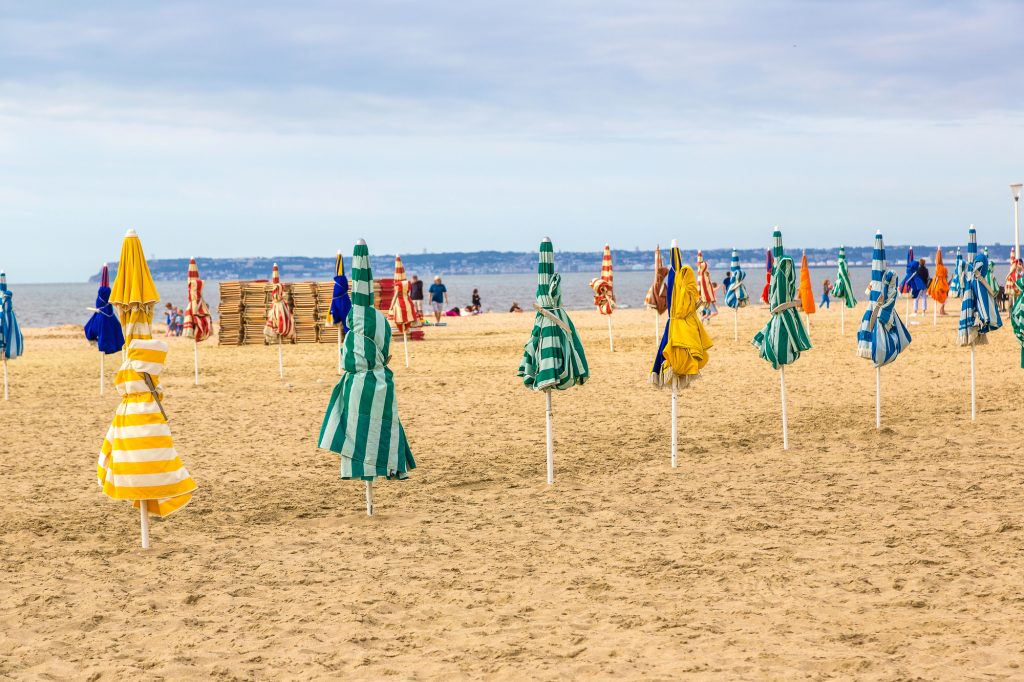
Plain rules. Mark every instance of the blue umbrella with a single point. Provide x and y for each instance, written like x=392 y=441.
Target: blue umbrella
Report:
x=12 y=343
x=979 y=314
x=103 y=328
x=736 y=294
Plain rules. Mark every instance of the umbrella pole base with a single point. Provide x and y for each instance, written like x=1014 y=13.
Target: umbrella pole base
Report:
x=675 y=422
x=144 y=522
x=782 y=395
x=878 y=397
x=550 y=441
x=369 y=498
x=974 y=404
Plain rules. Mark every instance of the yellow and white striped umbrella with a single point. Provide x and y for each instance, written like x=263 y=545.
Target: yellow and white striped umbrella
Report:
x=134 y=294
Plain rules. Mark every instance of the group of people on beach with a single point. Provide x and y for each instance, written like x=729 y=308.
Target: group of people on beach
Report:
x=438 y=293
x=175 y=319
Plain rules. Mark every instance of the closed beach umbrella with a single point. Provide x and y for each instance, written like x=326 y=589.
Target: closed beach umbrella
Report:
x=1017 y=317
x=137 y=460
x=958 y=282
x=990 y=274
x=767 y=277
x=553 y=358
x=604 y=292
x=12 y=343
x=806 y=289
x=361 y=424
x=979 y=313
x=198 y=324
x=938 y=288
x=842 y=289
x=341 y=303
x=882 y=335
x=782 y=340
x=656 y=299
x=1013 y=289
x=736 y=295
x=683 y=351
x=103 y=328
x=402 y=312
x=280 y=325
x=706 y=289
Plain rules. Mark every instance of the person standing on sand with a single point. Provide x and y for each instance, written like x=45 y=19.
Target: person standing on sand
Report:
x=826 y=289
x=438 y=298
x=922 y=296
x=416 y=294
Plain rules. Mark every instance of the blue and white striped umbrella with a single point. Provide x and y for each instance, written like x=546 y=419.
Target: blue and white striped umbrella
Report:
x=736 y=294
x=956 y=284
x=12 y=343
x=882 y=334
x=979 y=313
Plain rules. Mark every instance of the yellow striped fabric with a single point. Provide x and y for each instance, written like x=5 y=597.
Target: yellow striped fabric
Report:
x=137 y=459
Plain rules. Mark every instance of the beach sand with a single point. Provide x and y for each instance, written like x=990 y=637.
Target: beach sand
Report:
x=857 y=554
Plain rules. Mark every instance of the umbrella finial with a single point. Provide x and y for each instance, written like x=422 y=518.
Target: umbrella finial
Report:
x=675 y=244
x=339 y=252
x=361 y=242
x=131 y=233
x=546 y=239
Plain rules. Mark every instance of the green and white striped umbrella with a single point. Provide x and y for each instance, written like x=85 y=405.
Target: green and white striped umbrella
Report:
x=842 y=289
x=362 y=422
x=784 y=337
x=553 y=357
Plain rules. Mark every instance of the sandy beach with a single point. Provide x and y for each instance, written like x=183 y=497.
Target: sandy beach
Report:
x=857 y=554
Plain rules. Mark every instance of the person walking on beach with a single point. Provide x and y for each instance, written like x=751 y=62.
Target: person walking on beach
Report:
x=922 y=296
x=475 y=302
x=826 y=288
x=438 y=298
x=416 y=294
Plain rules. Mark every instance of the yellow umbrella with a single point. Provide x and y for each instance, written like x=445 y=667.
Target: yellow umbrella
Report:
x=134 y=293
x=137 y=460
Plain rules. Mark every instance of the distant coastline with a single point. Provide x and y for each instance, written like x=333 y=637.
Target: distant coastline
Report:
x=516 y=262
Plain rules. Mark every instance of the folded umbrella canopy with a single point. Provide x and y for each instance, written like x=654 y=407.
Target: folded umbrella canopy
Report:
x=959 y=280
x=842 y=289
x=656 y=298
x=806 y=287
x=1011 y=285
x=103 y=329
x=767 y=277
x=341 y=303
x=912 y=284
x=938 y=288
x=137 y=460
x=782 y=340
x=604 y=292
x=736 y=294
x=198 y=323
x=553 y=357
x=683 y=351
x=979 y=313
x=882 y=335
x=1017 y=317
x=361 y=424
x=402 y=312
x=280 y=323
x=990 y=275
x=12 y=343
x=705 y=288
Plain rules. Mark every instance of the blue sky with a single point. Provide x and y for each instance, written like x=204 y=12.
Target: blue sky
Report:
x=258 y=128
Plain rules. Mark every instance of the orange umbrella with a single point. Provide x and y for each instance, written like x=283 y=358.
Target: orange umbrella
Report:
x=938 y=288
x=402 y=312
x=806 y=288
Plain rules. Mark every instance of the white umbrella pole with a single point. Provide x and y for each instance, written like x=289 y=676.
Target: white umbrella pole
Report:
x=6 y=395
x=974 y=411
x=405 y=344
x=782 y=394
x=735 y=324
x=611 y=341
x=369 y=498
x=195 y=358
x=907 y=296
x=842 y=318
x=550 y=442
x=657 y=326
x=339 y=350
x=675 y=422
x=144 y=522
x=935 y=313
x=878 y=397
x=280 y=358
x=102 y=355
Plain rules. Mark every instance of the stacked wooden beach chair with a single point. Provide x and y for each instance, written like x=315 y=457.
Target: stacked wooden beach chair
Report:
x=229 y=313
x=305 y=307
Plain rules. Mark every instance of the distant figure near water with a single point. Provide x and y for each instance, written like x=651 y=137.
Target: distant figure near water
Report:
x=416 y=294
x=438 y=298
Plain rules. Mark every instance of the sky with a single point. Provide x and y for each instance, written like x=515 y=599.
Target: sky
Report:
x=224 y=129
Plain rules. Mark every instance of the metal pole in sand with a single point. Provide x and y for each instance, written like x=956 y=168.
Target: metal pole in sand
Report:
x=405 y=344
x=878 y=397
x=369 y=498
x=280 y=358
x=550 y=441
x=195 y=358
x=339 y=350
x=842 y=319
x=782 y=395
x=675 y=422
x=611 y=341
x=974 y=411
x=735 y=324
x=144 y=522
x=102 y=356
x=6 y=395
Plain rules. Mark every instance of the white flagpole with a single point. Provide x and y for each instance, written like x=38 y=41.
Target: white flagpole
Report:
x=405 y=344
x=195 y=357
x=280 y=358
x=782 y=394
x=102 y=355
x=878 y=397
x=369 y=498
x=144 y=521
x=611 y=341
x=973 y=402
x=675 y=422
x=550 y=441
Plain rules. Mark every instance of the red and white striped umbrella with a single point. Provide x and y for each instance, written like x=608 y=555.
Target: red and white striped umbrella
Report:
x=705 y=286
x=402 y=312
x=198 y=322
x=604 y=293
x=279 y=318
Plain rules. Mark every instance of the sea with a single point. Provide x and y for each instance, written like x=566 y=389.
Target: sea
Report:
x=49 y=305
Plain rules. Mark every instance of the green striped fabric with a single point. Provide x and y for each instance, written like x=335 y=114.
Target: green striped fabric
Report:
x=553 y=357
x=362 y=422
x=784 y=337
x=842 y=289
